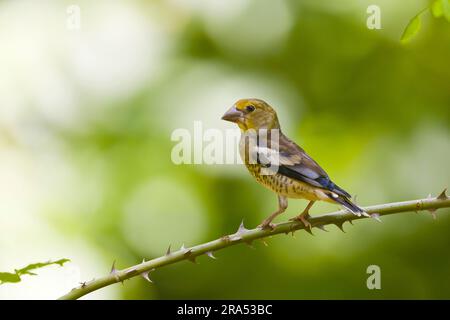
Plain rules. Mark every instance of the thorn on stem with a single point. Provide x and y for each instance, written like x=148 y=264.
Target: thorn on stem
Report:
x=211 y=255
x=433 y=213
x=241 y=228
x=193 y=259
x=146 y=276
x=249 y=243
x=189 y=256
x=376 y=216
x=322 y=227
x=114 y=272
x=340 y=225
x=238 y=234
x=168 y=250
x=443 y=195
x=113 y=268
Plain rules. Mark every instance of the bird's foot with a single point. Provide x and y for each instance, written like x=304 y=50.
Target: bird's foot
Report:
x=303 y=218
x=267 y=225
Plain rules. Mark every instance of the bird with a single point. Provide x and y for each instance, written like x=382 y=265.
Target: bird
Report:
x=279 y=164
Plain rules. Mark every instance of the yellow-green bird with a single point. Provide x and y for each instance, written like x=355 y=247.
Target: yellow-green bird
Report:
x=297 y=175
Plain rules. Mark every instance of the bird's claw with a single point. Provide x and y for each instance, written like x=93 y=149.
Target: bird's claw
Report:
x=302 y=218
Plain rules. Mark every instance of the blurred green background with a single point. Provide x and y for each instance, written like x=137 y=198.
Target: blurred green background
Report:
x=86 y=117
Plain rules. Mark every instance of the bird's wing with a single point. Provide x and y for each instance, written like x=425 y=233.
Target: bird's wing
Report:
x=295 y=163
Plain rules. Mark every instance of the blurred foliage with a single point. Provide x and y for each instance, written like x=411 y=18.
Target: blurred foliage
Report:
x=438 y=8
x=85 y=154
x=16 y=276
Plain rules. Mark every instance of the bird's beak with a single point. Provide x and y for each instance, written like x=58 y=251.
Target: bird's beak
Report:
x=233 y=115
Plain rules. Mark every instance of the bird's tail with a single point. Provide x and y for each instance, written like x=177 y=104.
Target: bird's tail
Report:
x=344 y=201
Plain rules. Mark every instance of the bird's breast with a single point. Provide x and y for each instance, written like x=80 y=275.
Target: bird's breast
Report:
x=286 y=186
x=279 y=183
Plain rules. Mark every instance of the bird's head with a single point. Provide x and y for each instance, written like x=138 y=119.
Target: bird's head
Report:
x=253 y=114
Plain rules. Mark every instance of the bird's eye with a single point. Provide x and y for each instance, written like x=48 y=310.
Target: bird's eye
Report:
x=250 y=108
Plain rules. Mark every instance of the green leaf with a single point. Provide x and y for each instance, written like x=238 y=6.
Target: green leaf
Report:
x=436 y=9
x=446 y=9
x=411 y=29
x=9 y=277
x=16 y=277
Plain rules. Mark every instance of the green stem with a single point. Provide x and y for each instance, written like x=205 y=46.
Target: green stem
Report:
x=247 y=236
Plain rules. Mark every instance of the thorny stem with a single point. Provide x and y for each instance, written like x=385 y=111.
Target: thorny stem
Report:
x=244 y=235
